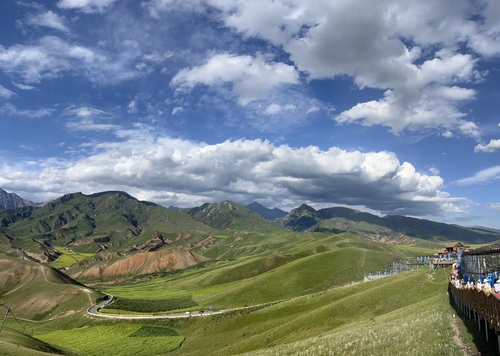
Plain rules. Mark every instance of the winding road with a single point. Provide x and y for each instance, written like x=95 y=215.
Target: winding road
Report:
x=94 y=311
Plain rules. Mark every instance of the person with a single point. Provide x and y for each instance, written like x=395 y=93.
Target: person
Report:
x=486 y=287
x=479 y=285
x=496 y=287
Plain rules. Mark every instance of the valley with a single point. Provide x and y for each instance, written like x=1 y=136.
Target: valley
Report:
x=263 y=288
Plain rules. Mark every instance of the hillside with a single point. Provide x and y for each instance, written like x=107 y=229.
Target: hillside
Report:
x=105 y=266
x=229 y=215
x=112 y=221
x=391 y=228
x=38 y=292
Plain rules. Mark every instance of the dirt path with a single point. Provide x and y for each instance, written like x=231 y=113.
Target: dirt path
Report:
x=467 y=350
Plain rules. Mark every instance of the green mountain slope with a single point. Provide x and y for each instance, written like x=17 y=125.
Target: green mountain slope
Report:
x=228 y=215
x=113 y=221
x=392 y=228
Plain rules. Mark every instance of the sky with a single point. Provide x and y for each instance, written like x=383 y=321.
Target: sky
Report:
x=387 y=106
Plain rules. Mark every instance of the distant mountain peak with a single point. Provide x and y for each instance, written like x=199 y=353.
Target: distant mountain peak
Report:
x=269 y=214
x=13 y=201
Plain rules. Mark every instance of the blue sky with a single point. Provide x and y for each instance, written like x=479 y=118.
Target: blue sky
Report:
x=386 y=106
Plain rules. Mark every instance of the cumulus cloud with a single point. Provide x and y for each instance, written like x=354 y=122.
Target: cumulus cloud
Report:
x=251 y=77
x=241 y=170
x=492 y=146
x=411 y=50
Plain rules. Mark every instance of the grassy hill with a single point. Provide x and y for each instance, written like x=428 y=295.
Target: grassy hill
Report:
x=391 y=228
x=401 y=314
x=407 y=313
x=308 y=300
x=15 y=343
x=311 y=263
x=39 y=292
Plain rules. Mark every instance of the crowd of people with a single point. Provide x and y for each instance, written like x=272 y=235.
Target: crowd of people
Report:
x=481 y=285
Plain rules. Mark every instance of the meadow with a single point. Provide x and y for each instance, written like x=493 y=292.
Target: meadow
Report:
x=68 y=258
x=122 y=339
x=407 y=313
x=309 y=299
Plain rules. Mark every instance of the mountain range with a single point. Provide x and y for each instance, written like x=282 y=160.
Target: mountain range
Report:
x=117 y=222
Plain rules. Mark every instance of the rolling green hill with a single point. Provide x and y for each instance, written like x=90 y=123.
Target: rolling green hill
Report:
x=391 y=228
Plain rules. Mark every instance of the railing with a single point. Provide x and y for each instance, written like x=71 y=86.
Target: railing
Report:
x=480 y=306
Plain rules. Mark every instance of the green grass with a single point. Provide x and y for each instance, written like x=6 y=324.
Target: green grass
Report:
x=122 y=339
x=151 y=305
x=154 y=290
x=401 y=305
x=154 y=331
x=13 y=342
x=68 y=258
x=400 y=314
x=421 y=329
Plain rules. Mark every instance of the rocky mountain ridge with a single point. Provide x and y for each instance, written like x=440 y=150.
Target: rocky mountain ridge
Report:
x=13 y=201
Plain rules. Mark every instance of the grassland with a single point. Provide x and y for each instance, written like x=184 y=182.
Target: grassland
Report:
x=410 y=309
x=314 y=297
x=122 y=339
x=408 y=313
x=15 y=343
x=68 y=258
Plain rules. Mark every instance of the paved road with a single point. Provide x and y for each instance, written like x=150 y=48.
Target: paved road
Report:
x=94 y=311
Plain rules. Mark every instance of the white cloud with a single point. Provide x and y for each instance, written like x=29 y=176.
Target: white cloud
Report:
x=272 y=109
x=410 y=49
x=177 y=109
x=469 y=129
x=157 y=7
x=5 y=93
x=86 y=5
x=484 y=176
x=23 y=86
x=251 y=77
x=12 y=110
x=88 y=119
x=52 y=58
x=48 y=19
x=241 y=170
x=493 y=206
x=132 y=107
x=492 y=146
